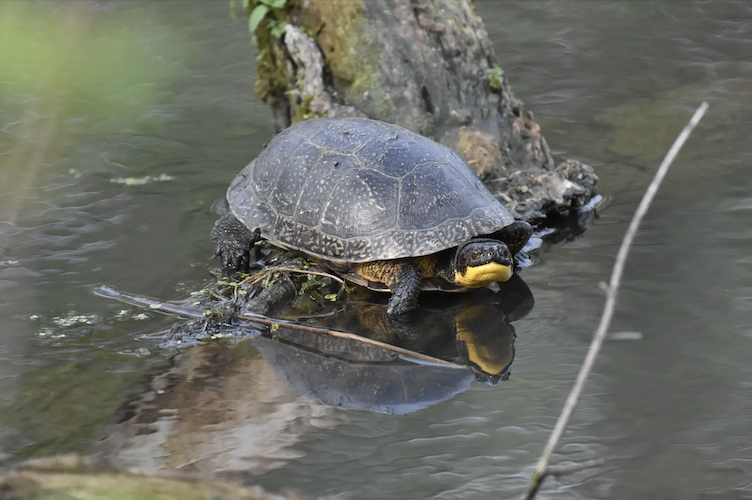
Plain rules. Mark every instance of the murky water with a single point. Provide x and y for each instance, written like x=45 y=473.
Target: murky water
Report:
x=611 y=83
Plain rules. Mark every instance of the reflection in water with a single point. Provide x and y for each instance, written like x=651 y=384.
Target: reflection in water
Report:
x=472 y=330
x=218 y=408
x=221 y=408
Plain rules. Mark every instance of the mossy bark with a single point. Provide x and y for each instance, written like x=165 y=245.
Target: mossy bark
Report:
x=429 y=66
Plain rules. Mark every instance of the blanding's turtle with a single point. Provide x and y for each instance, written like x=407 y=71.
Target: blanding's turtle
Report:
x=373 y=201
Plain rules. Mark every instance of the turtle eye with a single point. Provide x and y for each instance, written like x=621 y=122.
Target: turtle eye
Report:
x=475 y=255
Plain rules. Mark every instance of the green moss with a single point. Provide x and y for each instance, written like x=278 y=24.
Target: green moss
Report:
x=271 y=79
x=347 y=43
x=495 y=78
x=304 y=111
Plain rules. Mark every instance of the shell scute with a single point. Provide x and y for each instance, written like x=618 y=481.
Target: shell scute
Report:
x=292 y=176
x=320 y=185
x=265 y=168
x=346 y=136
x=363 y=204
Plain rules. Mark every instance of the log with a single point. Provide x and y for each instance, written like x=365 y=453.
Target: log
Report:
x=426 y=65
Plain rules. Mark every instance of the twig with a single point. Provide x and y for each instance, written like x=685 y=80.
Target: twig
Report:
x=270 y=270
x=608 y=311
x=560 y=470
x=167 y=308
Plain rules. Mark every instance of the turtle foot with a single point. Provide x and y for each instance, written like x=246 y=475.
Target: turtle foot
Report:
x=233 y=242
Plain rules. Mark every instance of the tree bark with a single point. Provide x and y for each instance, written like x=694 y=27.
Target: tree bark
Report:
x=428 y=66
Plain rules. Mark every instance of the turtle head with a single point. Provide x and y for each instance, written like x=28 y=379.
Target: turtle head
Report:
x=481 y=261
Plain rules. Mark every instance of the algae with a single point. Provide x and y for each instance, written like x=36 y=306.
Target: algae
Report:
x=480 y=150
x=495 y=78
x=346 y=41
x=304 y=111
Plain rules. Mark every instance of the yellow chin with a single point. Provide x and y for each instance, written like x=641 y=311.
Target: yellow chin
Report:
x=478 y=276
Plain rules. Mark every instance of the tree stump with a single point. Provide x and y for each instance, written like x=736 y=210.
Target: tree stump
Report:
x=426 y=65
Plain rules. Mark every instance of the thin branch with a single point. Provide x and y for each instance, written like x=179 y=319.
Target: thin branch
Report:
x=257 y=277
x=259 y=319
x=608 y=311
x=561 y=470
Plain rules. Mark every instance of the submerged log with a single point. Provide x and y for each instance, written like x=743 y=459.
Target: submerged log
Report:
x=426 y=65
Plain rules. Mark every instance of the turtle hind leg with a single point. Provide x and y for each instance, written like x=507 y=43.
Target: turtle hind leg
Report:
x=233 y=242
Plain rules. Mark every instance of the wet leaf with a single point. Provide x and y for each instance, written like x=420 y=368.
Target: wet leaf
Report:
x=257 y=16
x=274 y=4
x=278 y=29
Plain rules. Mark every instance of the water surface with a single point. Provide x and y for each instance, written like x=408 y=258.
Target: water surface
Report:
x=611 y=83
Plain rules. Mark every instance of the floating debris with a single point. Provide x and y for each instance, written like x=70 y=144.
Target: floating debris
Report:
x=140 y=181
x=128 y=315
x=47 y=333
x=70 y=320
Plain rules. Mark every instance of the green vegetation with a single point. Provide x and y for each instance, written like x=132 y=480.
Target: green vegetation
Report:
x=267 y=20
x=262 y=15
x=347 y=40
x=495 y=78
x=304 y=111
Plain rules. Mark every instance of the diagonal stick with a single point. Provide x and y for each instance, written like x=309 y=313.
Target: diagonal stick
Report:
x=541 y=469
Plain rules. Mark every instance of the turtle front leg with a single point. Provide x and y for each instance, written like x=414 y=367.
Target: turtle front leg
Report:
x=401 y=276
x=405 y=285
x=233 y=242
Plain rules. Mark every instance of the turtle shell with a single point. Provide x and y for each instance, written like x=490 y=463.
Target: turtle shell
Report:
x=356 y=190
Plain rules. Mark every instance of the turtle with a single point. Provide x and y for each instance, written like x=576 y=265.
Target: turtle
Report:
x=386 y=207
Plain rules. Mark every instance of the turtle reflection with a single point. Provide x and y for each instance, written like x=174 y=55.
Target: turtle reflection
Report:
x=472 y=331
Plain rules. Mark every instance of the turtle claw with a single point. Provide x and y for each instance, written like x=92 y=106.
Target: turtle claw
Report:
x=232 y=243
x=233 y=259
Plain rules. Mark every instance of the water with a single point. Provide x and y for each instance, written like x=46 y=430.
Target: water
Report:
x=611 y=83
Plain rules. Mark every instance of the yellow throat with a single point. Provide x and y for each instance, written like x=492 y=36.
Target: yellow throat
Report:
x=478 y=276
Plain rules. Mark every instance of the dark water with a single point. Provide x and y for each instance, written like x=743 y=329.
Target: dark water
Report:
x=611 y=83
